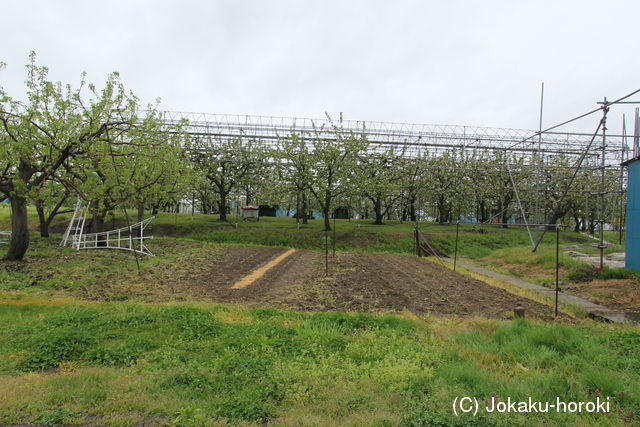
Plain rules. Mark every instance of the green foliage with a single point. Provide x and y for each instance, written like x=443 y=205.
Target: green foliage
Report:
x=190 y=366
x=119 y=354
x=52 y=417
x=582 y=273
x=618 y=273
x=52 y=346
x=419 y=412
x=85 y=139
x=587 y=272
x=189 y=416
x=359 y=321
x=192 y=324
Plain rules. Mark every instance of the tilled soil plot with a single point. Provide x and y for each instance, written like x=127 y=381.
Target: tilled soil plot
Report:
x=204 y=273
x=356 y=282
x=395 y=282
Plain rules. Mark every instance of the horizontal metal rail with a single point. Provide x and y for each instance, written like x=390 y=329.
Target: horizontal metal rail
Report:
x=133 y=238
x=414 y=138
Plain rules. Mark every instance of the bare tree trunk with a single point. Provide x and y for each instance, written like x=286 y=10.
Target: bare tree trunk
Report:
x=412 y=209
x=576 y=219
x=377 y=207
x=504 y=219
x=443 y=214
x=42 y=220
x=223 y=206
x=140 y=211
x=305 y=207
x=325 y=210
x=19 y=229
x=483 y=211
x=327 y=222
x=45 y=220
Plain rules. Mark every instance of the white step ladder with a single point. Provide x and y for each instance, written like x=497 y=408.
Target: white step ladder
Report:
x=76 y=225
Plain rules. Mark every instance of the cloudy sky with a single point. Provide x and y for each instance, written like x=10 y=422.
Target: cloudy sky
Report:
x=456 y=62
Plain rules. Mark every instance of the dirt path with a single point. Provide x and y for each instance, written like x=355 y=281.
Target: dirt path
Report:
x=261 y=271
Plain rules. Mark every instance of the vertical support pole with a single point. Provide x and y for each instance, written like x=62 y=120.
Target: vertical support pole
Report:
x=636 y=121
x=587 y=223
x=557 y=266
x=624 y=146
x=334 y=235
x=417 y=239
x=417 y=226
x=237 y=212
x=326 y=252
x=601 y=246
x=621 y=214
x=538 y=217
x=455 y=252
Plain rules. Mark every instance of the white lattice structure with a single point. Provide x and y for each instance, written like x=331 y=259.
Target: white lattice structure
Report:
x=126 y=238
x=129 y=238
x=5 y=237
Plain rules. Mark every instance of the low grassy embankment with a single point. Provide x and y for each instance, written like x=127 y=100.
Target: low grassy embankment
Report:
x=506 y=250
x=122 y=364
x=351 y=235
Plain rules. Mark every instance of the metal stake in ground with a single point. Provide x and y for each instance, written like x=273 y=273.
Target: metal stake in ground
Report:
x=557 y=266
x=455 y=251
x=326 y=252
x=334 y=234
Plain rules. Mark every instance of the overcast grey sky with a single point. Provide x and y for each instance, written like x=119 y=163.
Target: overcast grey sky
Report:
x=445 y=62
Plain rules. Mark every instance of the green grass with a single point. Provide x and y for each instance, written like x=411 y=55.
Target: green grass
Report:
x=506 y=250
x=618 y=273
x=122 y=364
x=351 y=235
x=202 y=364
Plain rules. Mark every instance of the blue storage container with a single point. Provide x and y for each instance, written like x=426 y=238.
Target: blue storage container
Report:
x=633 y=215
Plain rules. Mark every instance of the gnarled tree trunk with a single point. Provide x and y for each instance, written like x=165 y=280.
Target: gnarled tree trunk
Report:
x=19 y=229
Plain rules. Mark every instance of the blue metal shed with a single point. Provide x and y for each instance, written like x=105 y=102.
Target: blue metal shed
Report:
x=633 y=215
